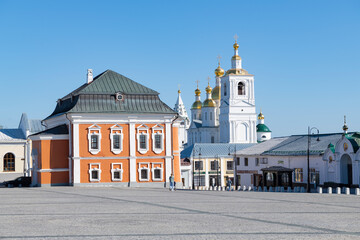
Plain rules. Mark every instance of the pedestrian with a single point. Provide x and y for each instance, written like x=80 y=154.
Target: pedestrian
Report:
x=229 y=182
x=171 y=180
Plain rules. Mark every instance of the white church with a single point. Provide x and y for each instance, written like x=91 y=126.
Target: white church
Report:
x=228 y=114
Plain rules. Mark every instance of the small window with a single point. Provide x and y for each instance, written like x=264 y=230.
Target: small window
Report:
x=214 y=165
x=143 y=145
x=116 y=171
x=117 y=142
x=264 y=161
x=238 y=161
x=144 y=174
x=206 y=116
x=198 y=165
x=158 y=141
x=230 y=165
x=157 y=173
x=257 y=161
x=94 y=142
x=246 y=161
x=94 y=172
x=224 y=89
x=9 y=162
x=212 y=139
x=285 y=178
x=241 y=88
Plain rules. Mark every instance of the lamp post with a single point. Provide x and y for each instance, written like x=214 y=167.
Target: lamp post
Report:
x=308 y=155
x=199 y=183
x=234 y=166
x=217 y=170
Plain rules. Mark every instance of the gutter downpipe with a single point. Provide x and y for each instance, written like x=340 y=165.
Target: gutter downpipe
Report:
x=70 y=149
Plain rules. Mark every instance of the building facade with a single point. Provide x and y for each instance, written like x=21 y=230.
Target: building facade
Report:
x=110 y=131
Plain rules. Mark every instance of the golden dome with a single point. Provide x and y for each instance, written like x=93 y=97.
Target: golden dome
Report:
x=209 y=103
x=219 y=72
x=197 y=92
x=261 y=116
x=208 y=89
x=236 y=46
x=196 y=105
x=179 y=91
x=216 y=93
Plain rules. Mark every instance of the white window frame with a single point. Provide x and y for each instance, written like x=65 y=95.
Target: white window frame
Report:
x=142 y=168
x=98 y=169
x=94 y=130
x=143 y=130
x=113 y=170
x=161 y=168
x=114 y=130
x=157 y=130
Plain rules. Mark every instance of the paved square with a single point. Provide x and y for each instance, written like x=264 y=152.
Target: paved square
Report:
x=113 y=213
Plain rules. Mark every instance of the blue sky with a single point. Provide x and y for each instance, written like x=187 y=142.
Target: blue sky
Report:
x=304 y=54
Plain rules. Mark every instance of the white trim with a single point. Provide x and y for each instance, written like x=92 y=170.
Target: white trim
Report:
x=158 y=130
x=140 y=131
x=76 y=140
x=161 y=168
x=50 y=137
x=113 y=170
x=54 y=170
x=114 y=131
x=98 y=169
x=146 y=168
x=94 y=130
x=168 y=139
x=76 y=169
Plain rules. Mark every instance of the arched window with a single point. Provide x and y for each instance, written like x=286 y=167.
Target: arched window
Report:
x=224 y=89
x=9 y=162
x=241 y=88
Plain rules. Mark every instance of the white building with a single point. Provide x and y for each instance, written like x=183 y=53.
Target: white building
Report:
x=334 y=159
x=228 y=114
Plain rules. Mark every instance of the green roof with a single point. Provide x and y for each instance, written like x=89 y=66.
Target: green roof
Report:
x=262 y=128
x=99 y=96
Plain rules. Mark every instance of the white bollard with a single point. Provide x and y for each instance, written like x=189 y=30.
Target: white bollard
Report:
x=244 y=188
x=289 y=189
x=338 y=190
x=329 y=190
x=238 y=188
x=302 y=189
x=320 y=190
x=250 y=188
x=282 y=189
x=357 y=191
x=265 y=189
x=223 y=188
x=347 y=191
x=259 y=189
x=270 y=189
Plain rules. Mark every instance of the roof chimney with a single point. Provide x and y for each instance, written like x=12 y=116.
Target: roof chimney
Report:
x=89 y=76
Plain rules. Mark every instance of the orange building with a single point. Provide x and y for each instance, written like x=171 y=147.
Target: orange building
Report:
x=109 y=131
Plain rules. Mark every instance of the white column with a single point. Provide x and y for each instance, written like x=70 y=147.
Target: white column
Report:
x=206 y=173
x=222 y=171
x=168 y=151
x=132 y=160
x=337 y=172
x=76 y=155
x=355 y=171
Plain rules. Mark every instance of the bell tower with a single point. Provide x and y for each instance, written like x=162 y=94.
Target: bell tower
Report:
x=237 y=107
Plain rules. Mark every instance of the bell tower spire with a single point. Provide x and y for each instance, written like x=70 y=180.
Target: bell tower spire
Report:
x=236 y=59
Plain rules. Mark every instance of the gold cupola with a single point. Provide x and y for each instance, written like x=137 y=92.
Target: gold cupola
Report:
x=209 y=102
x=219 y=72
x=216 y=93
x=260 y=116
x=197 y=104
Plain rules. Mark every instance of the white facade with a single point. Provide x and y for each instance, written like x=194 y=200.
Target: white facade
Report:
x=184 y=121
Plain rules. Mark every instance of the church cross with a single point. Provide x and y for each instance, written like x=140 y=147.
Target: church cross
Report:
x=219 y=57
x=197 y=83
x=236 y=37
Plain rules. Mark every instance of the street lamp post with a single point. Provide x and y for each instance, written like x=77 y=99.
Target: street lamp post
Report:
x=308 y=155
x=199 y=183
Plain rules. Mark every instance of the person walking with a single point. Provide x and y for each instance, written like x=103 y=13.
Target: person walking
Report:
x=171 y=180
x=228 y=183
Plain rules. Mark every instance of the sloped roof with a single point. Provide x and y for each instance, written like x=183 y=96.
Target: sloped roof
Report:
x=297 y=145
x=58 y=130
x=261 y=147
x=213 y=149
x=99 y=96
x=12 y=135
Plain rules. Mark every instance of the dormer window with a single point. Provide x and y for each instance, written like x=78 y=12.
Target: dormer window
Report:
x=119 y=97
x=241 y=88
